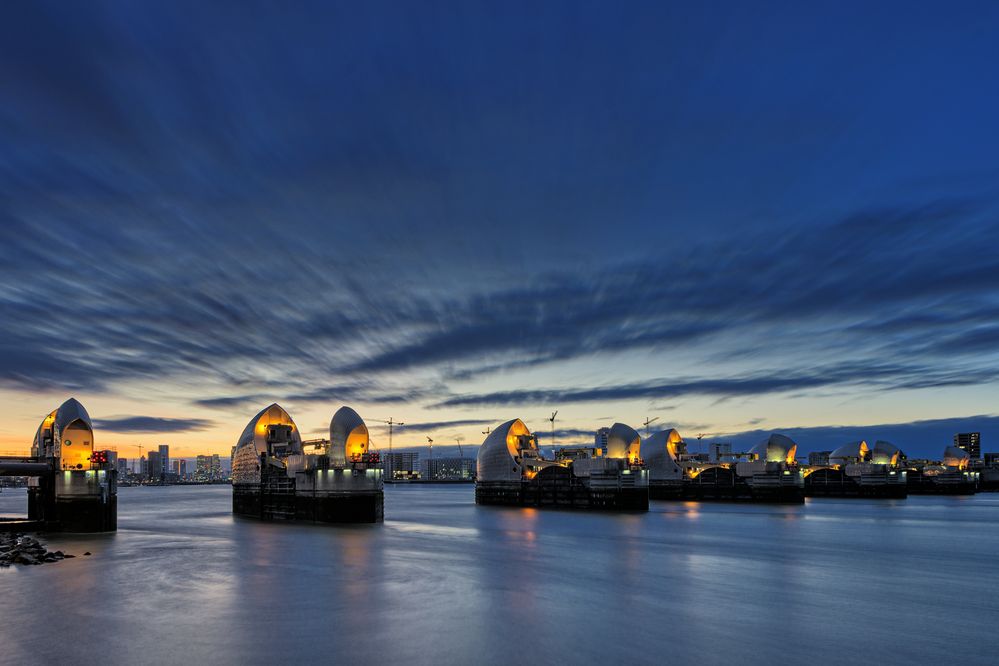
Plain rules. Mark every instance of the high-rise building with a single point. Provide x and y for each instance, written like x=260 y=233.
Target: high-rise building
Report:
x=164 y=458
x=176 y=467
x=122 y=467
x=970 y=442
x=154 y=466
x=216 y=467
x=600 y=439
x=203 y=468
x=182 y=468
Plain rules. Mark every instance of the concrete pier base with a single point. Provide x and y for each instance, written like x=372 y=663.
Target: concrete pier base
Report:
x=313 y=496
x=563 y=491
x=74 y=501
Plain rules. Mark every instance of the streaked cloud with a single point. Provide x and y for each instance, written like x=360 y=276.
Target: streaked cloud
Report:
x=151 y=424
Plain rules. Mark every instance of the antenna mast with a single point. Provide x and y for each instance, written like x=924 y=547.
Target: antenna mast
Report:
x=552 y=419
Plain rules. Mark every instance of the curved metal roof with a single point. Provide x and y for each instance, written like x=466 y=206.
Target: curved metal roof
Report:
x=347 y=426
x=659 y=452
x=852 y=452
x=345 y=420
x=623 y=441
x=776 y=448
x=255 y=432
x=956 y=457
x=885 y=453
x=498 y=457
x=68 y=412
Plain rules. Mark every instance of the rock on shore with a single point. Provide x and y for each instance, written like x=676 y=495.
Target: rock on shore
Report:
x=23 y=549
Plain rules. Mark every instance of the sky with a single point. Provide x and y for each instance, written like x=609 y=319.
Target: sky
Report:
x=733 y=219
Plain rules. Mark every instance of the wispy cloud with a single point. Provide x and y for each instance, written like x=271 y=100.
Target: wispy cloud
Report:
x=882 y=375
x=151 y=424
x=241 y=257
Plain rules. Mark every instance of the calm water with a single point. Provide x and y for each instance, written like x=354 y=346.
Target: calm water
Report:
x=444 y=581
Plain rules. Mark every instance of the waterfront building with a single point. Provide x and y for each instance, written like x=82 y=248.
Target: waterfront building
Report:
x=164 y=451
x=154 y=466
x=971 y=442
x=600 y=439
x=216 y=467
x=818 y=458
x=449 y=469
x=719 y=451
x=182 y=468
x=401 y=466
x=203 y=468
x=989 y=473
x=511 y=470
x=273 y=479
x=122 y=467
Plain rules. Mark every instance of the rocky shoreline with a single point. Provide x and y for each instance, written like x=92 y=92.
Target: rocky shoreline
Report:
x=23 y=549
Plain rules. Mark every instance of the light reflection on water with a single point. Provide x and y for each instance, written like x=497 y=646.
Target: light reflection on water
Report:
x=444 y=581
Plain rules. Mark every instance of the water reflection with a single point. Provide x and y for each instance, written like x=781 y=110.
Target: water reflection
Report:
x=445 y=581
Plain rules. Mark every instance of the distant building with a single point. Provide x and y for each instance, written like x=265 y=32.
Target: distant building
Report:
x=164 y=458
x=203 y=468
x=122 y=467
x=449 y=469
x=154 y=466
x=600 y=439
x=182 y=468
x=719 y=451
x=401 y=465
x=818 y=458
x=970 y=442
x=992 y=459
x=216 y=467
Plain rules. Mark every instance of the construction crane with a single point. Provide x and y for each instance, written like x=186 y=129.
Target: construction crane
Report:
x=390 y=423
x=486 y=431
x=552 y=419
x=431 y=442
x=458 y=440
x=647 y=422
x=141 y=449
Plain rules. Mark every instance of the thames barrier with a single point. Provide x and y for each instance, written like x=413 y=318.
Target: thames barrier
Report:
x=72 y=485
x=277 y=476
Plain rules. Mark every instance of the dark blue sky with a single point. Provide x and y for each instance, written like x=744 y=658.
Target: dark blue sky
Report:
x=733 y=216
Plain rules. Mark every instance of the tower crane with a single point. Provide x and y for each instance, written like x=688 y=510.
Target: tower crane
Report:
x=458 y=440
x=141 y=449
x=552 y=419
x=390 y=423
x=647 y=422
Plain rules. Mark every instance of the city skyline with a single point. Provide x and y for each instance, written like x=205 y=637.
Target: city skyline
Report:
x=456 y=218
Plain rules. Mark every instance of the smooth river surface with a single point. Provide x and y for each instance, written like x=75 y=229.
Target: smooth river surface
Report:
x=445 y=581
